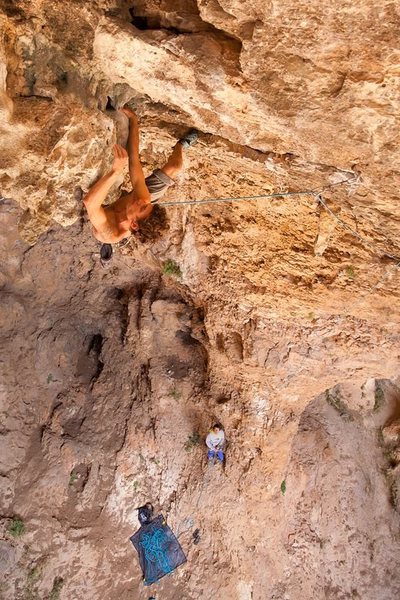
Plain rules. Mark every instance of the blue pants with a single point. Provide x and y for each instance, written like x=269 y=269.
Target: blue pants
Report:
x=218 y=454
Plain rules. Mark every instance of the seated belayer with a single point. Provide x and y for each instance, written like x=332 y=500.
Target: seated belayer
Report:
x=116 y=221
x=215 y=442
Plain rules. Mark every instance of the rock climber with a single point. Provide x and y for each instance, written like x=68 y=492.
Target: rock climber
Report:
x=118 y=220
x=215 y=442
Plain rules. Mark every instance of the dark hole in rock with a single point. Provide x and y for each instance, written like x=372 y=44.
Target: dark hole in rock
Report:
x=110 y=104
x=196 y=536
x=62 y=79
x=96 y=344
x=186 y=338
x=95 y=348
x=219 y=340
x=222 y=399
x=144 y=23
x=139 y=22
x=89 y=365
x=201 y=314
x=10 y=10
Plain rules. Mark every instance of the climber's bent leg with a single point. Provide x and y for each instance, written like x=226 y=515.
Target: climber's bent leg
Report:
x=157 y=184
x=161 y=179
x=175 y=162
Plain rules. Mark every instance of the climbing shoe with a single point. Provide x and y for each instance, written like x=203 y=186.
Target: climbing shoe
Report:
x=189 y=139
x=106 y=252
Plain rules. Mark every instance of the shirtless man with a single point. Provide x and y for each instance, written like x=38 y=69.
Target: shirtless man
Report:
x=117 y=221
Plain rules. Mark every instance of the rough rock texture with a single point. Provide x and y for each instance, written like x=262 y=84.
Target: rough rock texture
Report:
x=107 y=378
x=282 y=324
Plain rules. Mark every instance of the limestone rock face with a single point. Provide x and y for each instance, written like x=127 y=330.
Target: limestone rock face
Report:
x=110 y=382
x=52 y=142
x=276 y=316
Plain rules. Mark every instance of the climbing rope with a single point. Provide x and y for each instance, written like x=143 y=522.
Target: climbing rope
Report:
x=314 y=193
x=374 y=247
x=317 y=194
x=351 y=179
x=238 y=198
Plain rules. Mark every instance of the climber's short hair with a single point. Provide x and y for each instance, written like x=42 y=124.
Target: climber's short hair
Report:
x=153 y=224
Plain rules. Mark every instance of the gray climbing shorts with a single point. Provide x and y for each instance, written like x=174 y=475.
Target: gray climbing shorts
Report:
x=157 y=184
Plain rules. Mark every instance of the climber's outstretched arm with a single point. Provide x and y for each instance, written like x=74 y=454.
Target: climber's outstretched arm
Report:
x=139 y=186
x=98 y=192
x=95 y=197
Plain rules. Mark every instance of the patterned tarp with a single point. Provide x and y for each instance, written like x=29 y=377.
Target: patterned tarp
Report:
x=159 y=550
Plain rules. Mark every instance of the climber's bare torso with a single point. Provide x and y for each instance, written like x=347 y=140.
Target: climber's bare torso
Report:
x=121 y=218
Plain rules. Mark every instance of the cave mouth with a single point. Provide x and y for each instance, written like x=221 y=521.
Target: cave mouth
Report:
x=110 y=104
x=89 y=365
x=141 y=22
x=195 y=24
x=94 y=352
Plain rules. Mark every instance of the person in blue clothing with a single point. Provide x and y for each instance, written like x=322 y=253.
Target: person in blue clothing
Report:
x=215 y=442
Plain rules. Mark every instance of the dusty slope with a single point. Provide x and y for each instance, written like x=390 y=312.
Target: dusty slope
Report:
x=107 y=374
